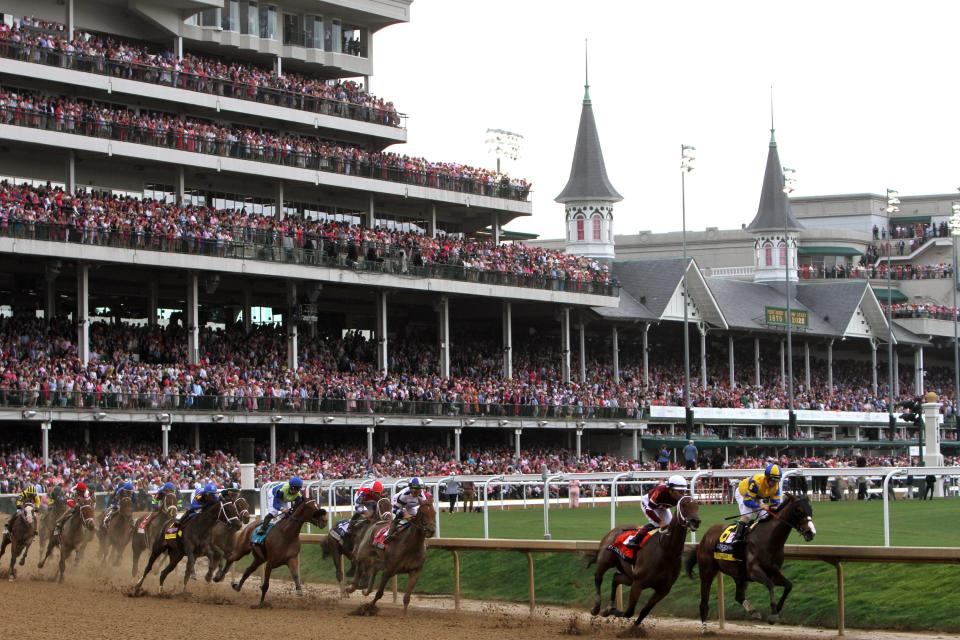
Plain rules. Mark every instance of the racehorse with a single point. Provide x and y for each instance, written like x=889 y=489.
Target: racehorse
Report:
x=23 y=528
x=406 y=553
x=223 y=539
x=149 y=526
x=655 y=566
x=74 y=535
x=764 y=557
x=189 y=537
x=281 y=547
x=114 y=534
x=347 y=545
x=49 y=519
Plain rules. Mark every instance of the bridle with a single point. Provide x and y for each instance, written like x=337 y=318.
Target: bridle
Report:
x=223 y=516
x=302 y=504
x=796 y=527
x=87 y=522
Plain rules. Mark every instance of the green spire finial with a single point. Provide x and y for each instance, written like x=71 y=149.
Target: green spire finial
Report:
x=773 y=139
x=586 y=71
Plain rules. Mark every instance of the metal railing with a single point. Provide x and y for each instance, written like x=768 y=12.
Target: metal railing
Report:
x=231 y=145
x=168 y=77
x=312 y=250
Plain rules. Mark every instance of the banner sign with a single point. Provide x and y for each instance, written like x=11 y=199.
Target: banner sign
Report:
x=777 y=317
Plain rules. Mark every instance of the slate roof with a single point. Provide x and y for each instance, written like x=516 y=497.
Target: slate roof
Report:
x=588 y=175
x=742 y=304
x=774 y=211
x=651 y=282
x=628 y=309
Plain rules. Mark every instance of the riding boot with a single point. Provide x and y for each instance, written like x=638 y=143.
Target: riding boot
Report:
x=740 y=531
x=263 y=525
x=394 y=525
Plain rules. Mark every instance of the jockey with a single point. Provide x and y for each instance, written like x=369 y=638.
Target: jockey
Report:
x=79 y=495
x=168 y=488
x=125 y=490
x=756 y=495
x=203 y=496
x=365 y=501
x=656 y=505
x=283 y=495
x=28 y=496
x=406 y=505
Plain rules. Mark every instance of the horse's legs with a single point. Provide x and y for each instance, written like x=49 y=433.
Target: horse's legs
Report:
x=780 y=580
x=44 y=556
x=412 y=578
x=293 y=564
x=708 y=572
x=266 y=583
x=256 y=562
x=62 y=565
x=191 y=562
x=13 y=563
x=4 y=544
x=651 y=603
x=741 y=598
x=598 y=585
x=173 y=559
x=26 y=550
x=155 y=551
x=383 y=585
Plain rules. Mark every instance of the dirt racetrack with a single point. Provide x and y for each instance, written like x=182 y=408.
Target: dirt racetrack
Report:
x=93 y=603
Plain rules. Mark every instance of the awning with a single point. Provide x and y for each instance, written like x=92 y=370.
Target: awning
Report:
x=829 y=251
x=895 y=295
x=903 y=219
x=507 y=234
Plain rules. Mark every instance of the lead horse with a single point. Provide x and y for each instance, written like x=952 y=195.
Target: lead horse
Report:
x=74 y=535
x=23 y=529
x=763 y=560
x=348 y=544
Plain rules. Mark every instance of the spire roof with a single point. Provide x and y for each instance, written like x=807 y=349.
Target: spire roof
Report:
x=774 y=212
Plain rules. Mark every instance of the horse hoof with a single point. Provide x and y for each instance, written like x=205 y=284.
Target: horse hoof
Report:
x=773 y=618
x=595 y=611
x=235 y=586
x=756 y=615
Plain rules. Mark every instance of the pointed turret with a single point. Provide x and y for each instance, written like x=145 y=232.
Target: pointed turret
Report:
x=774 y=228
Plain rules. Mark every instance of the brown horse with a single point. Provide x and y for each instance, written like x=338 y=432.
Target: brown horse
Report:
x=149 y=526
x=764 y=557
x=114 y=534
x=655 y=566
x=405 y=554
x=23 y=529
x=282 y=546
x=348 y=544
x=49 y=519
x=74 y=535
x=223 y=539
x=190 y=537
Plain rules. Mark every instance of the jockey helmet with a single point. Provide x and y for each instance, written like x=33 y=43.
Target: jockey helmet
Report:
x=772 y=472
x=81 y=488
x=210 y=488
x=377 y=487
x=296 y=483
x=127 y=486
x=677 y=482
x=415 y=483
x=168 y=486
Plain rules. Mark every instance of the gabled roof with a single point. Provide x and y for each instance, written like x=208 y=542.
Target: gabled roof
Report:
x=588 y=175
x=628 y=309
x=774 y=212
x=742 y=304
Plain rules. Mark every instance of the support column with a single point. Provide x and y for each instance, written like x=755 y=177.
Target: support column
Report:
x=579 y=442
x=703 y=355
x=896 y=373
x=382 y=352
x=290 y=320
x=444 y=335
x=165 y=437
x=756 y=362
x=153 y=303
x=456 y=444
x=615 y=339
x=296 y=436
x=273 y=443
x=873 y=365
x=86 y=436
x=83 y=312
x=495 y=227
x=278 y=61
x=516 y=441
x=45 y=433
x=507 y=340
x=278 y=212
x=193 y=319
x=783 y=367
x=178 y=46
x=565 y=343
x=71 y=18
x=806 y=363
x=830 y=367
x=196 y=437
x=931 y=441
x=180 y=186
x=918 y=371
x=371 y=215
x=370 y=431
x=247 y=311
x=51 y=272
x=70 y=181
x=432 y=229
x=646 y=355
x=583 y=352
x=733 y=372
x=636 y=444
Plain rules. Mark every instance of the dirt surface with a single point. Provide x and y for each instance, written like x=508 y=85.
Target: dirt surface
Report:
x=96 y=602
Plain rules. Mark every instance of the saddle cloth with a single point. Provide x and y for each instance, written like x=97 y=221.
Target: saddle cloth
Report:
x=339 y=530
x=626 y=552
x=142 y=524
x=260 y=538
x=172 y=532
x=728 y=546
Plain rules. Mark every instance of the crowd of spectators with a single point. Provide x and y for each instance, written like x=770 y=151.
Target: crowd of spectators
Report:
x=922 y=310
x=866 y=269
x=912 y=230
x=196 y=135
x=44 y=42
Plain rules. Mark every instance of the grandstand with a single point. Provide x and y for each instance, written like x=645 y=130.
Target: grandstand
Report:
x=207 y=230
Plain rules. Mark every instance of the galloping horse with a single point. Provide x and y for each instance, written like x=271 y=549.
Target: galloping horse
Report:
x=115 y=533
x=74 y=535
x=189 y=537
x=406 y=553
x=281 y=547
x=23 y=528
x=223 y=539
x=348 y=544
x=656 y=565
x=149 y=526
x=764 y=557
x=49 y=519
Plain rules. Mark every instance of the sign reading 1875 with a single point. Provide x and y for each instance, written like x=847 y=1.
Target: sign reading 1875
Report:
x=777 y=317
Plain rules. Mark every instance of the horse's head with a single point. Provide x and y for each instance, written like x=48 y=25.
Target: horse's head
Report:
x=427 y=519
x=384 y=508
x=169 y=504
x=28 y=514
x=126 y=505
x=228 y=515
x=243 y=510
x=688 y=513
x=797 y=512
x=318 y=515
x=86 y=516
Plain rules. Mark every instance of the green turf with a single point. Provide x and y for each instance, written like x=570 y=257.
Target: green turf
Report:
x=878 y=596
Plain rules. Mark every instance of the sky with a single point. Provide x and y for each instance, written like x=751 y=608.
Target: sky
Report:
x=865 y=97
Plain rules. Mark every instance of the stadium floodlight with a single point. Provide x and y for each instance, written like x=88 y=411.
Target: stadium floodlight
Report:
x=379 y=420
x=426 y=421
x=276 y=418
x=503 y=423
x=789 y=184
x=99 y=415
x=504 y=144
x=893 y=199
x=328 y=419
x=471 y=422
x=542 y=423
x=163 y=417
x=28 y=414
x=954 y=225
x=687 y=157
x=218 y=417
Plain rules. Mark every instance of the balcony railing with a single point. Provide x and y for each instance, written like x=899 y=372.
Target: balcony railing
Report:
x=235 y=147
x=314 y=250
x=204 y=84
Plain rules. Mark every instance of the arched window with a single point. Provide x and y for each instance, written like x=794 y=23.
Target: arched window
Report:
x=579 y=228
x=596 y=228
x=768 y=254
x=783 y=254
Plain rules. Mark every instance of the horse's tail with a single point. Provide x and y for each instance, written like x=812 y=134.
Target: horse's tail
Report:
x=325 y=547
x=690 y=563
x=589 y=559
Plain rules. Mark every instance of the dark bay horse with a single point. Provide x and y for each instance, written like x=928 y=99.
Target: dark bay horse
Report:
x=223 y=539
x=190 y=538
x=49 y=519
x=114 y=535
x=405 y=554
x=764 y=557
x=347 y=545
x=23 y=529
x=282 y=546
x=656 y=566
x=146 y=529
x=76 y=532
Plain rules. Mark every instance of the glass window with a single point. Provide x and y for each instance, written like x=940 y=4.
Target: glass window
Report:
x=336 y=37
x=210 y=18
x=268 y=22
x=253 y=19
x=313 y=29
x=783 y=254
x=596 y=227
x=230 y=16
x=768 y=255
x=579 y=228
x=293 y=29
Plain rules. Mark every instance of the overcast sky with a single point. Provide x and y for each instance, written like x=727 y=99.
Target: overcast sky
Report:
x=866 y=96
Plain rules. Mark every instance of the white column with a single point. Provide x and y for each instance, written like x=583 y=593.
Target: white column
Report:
x=636 y=444
x=71 y=17
x=583 y=352
x=615 y=339
x=507 y=340
x=756 y=362
x=70 y=183
x=278 y=200
x=196 y=437
x=806 y=362
x=181 y=186
x=165 y=438
x=83 y=312
x=370 y=432
x=733 y=372
x=873 y=365
x=193 y=319
x=433 y=221
x=292 y=328
x=86 y=436
x=579 y=442
x=247 y=310
x=273 y=443
x=495 y=227
x=931 y=441
x=565 y=343
x=456 y=444
x=443 y=321
x=51 y=272
x=178 y=46
x=382 y=351
x=830 y=367
x=278 y=61
x=896 y=373
x=783 y=367
x=918 y=371
x=45 y=433
x=370 y=222
x=646 y=355
x=153 y=303
x=516 y=441
x=703 y=355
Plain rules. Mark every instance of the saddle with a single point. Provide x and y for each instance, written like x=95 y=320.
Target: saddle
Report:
x=259 y=537
x=172 y=531
x=339 y=530
x=379 y=538
x=628 y=553
x=731 y=548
